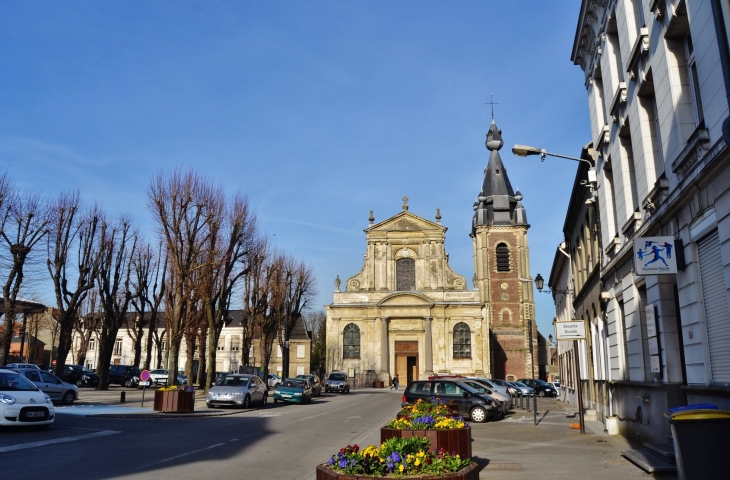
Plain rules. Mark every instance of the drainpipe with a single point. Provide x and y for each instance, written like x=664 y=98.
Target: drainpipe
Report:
x=722 y=43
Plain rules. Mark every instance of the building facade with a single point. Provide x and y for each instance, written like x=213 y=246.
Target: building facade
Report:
x=656 y=75
x=407 y=313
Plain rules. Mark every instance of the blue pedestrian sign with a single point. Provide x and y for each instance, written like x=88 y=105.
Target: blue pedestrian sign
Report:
x=655 y=256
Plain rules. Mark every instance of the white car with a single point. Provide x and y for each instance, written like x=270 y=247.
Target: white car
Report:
x=22 y=404
x=161 y=375
x=274 y=380
x=491 y=391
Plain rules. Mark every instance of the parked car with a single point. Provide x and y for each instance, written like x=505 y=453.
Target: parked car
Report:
x=337 y=382
x=484 y=389
x=274 y=380
x=124 y=375
x=555 y=385
x=51 y=385
x=79 y=376
x=478 y=407
x=315 y=383
x=500 y=392
x=23 y=365
x=295 y=390
x=237 y=390
x=541 y=388
x=160 y=375
x=522 y=389
x=22 y=403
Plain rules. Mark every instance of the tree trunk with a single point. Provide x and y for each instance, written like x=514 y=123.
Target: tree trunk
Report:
x=65 y=337
x=172 y=357
x=202 y=358
x=190 y=358
x=106 y=349
x=138 y=339
x=150 y=332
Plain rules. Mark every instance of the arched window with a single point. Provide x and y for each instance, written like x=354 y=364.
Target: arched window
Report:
x=351 y=343
x=462 y=340
x=405 y=274
x=503 y=258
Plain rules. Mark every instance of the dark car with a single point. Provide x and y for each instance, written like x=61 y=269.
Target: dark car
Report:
x=315 y=383
x=472 y=404
x=79 y=376
x=124 y=375
x=541 y=388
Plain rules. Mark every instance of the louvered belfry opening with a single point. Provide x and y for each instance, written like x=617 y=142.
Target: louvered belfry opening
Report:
x=503 y=258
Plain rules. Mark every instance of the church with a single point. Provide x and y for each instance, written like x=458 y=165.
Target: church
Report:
x=408 y=313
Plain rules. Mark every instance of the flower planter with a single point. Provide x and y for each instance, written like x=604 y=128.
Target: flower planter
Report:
x=174 y=402
x=469 y=473
x=378 y=384
x=457 y=440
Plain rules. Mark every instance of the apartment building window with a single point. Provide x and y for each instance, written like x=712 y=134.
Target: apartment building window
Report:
x=651 y=124
x=614 y=49
x=221 y=344
x=163 y=345
x=300 y=351
x=611 y=194
x=235 y=344
x=118 y=347
x=279 y=351
x=92 y=345
x=637 y=12
x=627 y=155
x=693 y=79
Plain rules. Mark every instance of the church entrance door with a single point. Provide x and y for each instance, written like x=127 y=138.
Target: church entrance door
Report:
x=406 y=361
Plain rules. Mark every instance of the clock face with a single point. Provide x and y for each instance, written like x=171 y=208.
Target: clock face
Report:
x=504 y=286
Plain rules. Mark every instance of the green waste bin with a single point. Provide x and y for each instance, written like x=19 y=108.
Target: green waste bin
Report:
x=701 y=442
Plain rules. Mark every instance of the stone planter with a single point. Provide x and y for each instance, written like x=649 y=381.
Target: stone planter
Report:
x=457 y=440
x=174 y=402
x=469 y=473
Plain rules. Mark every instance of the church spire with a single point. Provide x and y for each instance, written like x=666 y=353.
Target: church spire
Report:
x=496 y=202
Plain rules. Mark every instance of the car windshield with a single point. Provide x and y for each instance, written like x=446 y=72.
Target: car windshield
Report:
x=12 y=382
x=520 y=384
x=291 y=382
x=233 y=381
x=541 y=382
x=86 y=370
x=338 y=376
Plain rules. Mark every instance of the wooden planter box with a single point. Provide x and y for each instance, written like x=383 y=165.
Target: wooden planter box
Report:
x=378 y=384
x=177 y=402
x=457 y=440
x=469 y=473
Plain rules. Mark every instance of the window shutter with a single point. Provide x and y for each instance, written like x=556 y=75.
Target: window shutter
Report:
x=717 y=317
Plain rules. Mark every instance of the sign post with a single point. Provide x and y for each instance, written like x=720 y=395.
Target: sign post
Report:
x=575 y=330
x=144 y=380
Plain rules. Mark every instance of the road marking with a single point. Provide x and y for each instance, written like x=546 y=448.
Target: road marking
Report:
x=182 y=455
x=233 y=440
x=43 y=443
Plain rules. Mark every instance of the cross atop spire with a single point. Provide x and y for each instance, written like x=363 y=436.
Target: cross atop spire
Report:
x=405 y=204
x=492 y=103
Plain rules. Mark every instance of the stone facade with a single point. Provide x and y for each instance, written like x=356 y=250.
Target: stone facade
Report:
x=407 y=313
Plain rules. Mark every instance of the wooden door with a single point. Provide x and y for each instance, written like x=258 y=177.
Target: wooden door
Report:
x=401 y=369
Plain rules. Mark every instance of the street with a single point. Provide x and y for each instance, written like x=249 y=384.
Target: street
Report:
x=284 y=441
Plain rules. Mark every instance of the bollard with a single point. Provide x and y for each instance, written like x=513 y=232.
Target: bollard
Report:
x=522 y=402
x=122 y=397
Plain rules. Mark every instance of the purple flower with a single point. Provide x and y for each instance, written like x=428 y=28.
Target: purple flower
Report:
x=343 y=463
x=396 y=457
x=332 y=461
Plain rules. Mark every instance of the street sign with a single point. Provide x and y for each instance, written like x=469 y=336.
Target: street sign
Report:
x=650 y=320
x=656 y=364
x=575 y=330
x=655 y=256
x=144 y=376
x=144 y=384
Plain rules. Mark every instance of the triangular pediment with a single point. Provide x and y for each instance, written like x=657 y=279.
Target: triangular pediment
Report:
x=402 y=299
x=405 y=222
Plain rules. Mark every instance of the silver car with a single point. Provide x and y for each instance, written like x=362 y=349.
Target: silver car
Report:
x=51 y=385
x=337 y=382
x=523 y=389
x=237 y=391
x=483 y=387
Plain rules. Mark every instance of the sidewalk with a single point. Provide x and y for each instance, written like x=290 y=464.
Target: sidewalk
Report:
x=515 y=448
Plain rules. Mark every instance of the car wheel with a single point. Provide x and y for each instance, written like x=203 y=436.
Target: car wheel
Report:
x=265 y=400
x=79 y=382
x=542 y=394
x=276 y=401
x=478 y=415
x=128 y=384
x=68 y=398
x=247 y=402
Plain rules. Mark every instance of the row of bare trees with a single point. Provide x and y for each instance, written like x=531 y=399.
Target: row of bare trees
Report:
x=207 y=254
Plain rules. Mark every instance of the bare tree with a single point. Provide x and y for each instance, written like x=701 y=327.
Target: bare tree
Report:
x=178 y=203
x=148 y=285
x=118 y=244
x=300 y=288
x=317 y=324
x=24 y=222
x=232 y=234
x=73 y=275
x=270 y=322
x=87 y=325
x=255 y=296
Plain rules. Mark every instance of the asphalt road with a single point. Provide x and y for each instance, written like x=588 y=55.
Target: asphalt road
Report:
x=280 y=441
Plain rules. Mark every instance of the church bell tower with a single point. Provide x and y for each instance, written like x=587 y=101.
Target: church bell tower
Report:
x=502 y=267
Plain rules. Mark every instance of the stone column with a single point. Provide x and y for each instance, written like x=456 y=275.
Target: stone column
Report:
x=384 y=350
x=428 y=345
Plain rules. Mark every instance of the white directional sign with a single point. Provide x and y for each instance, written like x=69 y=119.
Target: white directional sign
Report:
x=575 y=330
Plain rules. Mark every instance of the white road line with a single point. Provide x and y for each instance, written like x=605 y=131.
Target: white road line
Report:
x=181 y=455
x=43 y=443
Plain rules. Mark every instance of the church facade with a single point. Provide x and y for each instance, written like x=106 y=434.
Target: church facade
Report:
x=408 y=313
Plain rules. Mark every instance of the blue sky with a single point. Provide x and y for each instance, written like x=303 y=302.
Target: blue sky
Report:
x=319 y=111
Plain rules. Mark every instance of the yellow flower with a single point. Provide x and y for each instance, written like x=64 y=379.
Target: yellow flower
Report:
x=401 y=468
x=418 y=461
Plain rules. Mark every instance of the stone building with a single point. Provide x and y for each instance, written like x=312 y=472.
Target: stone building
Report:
x=407 y=313
x=658 y=84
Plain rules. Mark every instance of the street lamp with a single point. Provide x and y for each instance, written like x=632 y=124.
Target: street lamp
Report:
x=525 y=150
x=540 y=284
